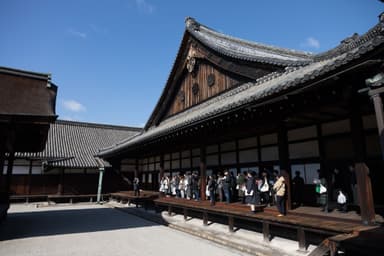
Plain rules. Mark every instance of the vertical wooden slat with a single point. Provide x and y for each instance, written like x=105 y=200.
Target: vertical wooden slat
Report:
x=301 y=239
x=364 y=191
x=203 y=169
x=205 y=218
x=284 y=162
x=29 y=177
x=266 y=232
x=231 y=224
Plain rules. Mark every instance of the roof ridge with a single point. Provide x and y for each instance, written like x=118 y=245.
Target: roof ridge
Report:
x=194 y=27
x=353 y=41
x=97 y=125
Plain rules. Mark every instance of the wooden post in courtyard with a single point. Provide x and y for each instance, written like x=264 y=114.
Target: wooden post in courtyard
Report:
x=10 y=145
x=364 y=191
x=161 y=173
x=375 y=88
x=284 y=163
x=203 y=169
x=2 y=162
x=60 y=186
x=28 y=190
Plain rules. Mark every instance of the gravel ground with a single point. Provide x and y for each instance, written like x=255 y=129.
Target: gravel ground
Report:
x=95 y=230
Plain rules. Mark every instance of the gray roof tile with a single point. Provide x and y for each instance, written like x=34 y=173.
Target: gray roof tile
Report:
x=75 y=144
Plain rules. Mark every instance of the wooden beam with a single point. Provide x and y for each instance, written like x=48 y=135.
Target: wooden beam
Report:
x=364 y=190
x=205 y=218
x=203 y=169
x=266 y=232
x=2 y=162
x=60 y=186
x=29 y=177
x=301 y=239
x=231 y=224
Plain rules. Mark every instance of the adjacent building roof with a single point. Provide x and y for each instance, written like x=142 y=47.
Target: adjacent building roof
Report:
x=75 y=144
x=27 y=107
x=301 y=69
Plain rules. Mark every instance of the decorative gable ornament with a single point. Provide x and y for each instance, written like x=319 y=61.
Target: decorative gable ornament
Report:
x=181 y=96
x=195 y=88
x=191 y=63
x=211 y=80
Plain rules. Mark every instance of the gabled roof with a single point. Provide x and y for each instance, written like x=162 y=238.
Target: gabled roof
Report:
x=233 y=48
x=264 y=88
x=246 y=50
x=75 y=144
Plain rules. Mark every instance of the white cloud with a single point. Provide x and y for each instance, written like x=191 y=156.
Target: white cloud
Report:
x=311 y=42
x=144 y=6
x=73 y=106
x=77 y=33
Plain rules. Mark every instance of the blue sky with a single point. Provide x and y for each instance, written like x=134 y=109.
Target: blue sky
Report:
x=111 y=59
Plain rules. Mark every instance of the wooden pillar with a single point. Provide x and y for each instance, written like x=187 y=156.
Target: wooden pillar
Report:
x=29 y=177
x=8 y=180
x=378 y=104
x=301 y=239
x=205 y=218
x=364 y=191
x=10 y=146
x=161 y=173
x=231 y=223
x=161 y=166
x=136 y=173
x=203 y=170
x=60 y=186
x=266 y=232
x=284 y=163
x=358 y=138
x=2 y=162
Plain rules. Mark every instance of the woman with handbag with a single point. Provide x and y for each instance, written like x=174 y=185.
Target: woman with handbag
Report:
x=279 y=188
x=322 y=191
x=251 y=190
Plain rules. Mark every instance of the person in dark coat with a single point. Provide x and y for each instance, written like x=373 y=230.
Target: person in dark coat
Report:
x=297 y=189
x=251 y=191
x=227 y=187
x=136 y=186
x=212 y=185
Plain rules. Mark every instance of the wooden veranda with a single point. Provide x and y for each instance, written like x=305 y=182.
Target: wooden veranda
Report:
x=307 y=225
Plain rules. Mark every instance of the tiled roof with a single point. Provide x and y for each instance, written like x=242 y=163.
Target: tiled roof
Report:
x=266 y=87
x=75 y=144
x=246 y=50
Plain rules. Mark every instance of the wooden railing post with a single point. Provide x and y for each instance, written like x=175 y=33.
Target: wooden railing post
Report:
x=364 y=191
x=266 y=232
x=301 y=239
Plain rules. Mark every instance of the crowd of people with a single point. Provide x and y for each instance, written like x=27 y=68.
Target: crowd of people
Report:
x=264 y=188
x=247 y=187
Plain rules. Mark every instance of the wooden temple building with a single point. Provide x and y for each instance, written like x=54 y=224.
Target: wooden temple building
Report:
x=239 y=105
x=27 y=108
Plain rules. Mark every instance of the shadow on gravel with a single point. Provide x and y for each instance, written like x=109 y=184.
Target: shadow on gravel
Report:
x=59 y=222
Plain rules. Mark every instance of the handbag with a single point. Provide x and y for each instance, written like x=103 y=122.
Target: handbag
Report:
x=341 y=199
x=264 y=187
x=322 y=189
x=249 y=194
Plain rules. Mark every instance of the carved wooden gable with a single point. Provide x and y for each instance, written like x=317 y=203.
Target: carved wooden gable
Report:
x=205 y=75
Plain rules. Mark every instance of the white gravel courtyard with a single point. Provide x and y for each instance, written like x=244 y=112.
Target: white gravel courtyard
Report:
x=94 y=230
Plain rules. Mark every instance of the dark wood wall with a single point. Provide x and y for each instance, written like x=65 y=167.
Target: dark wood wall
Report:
x=205 y=82
x=71 y=184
